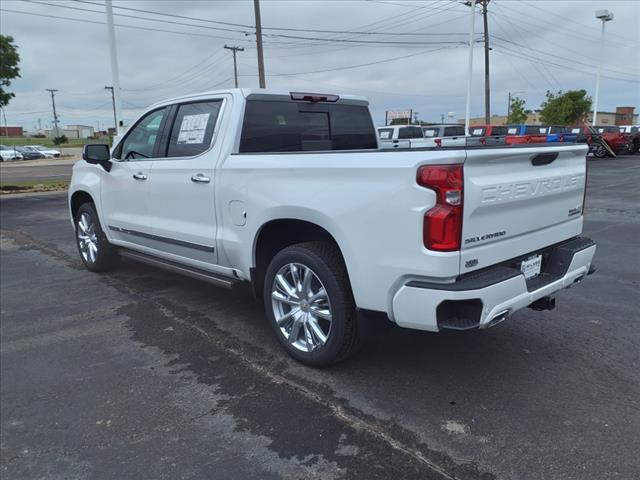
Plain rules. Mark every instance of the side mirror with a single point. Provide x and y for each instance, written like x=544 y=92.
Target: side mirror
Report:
x=97 y=154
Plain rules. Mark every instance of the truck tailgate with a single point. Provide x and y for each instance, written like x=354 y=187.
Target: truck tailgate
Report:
x=518 y=200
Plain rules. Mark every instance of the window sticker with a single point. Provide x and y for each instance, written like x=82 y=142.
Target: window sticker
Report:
x=385 y=135
x=192 y=128
x=513 y=131
x=477 y=131
x=429 y=133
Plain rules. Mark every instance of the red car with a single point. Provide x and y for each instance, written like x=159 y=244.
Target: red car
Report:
x=618 y=142
x=514 y=134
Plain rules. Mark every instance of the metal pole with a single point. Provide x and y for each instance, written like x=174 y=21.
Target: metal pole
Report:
x=487 y=89
x=467 y=116
x=595 y=101
x=115 y=76
x=53 y=103
x=235 y=65
x=256 y=8
x=113 y=102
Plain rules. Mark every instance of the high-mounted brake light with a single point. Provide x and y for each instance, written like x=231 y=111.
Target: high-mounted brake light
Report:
x=314 y=97
x=442 y=227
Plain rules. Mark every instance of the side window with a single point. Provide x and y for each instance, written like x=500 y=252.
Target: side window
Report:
x=453 y=131
x=410 y=132
x=385 y=133
x=141 y=141
x=193 y=128
x=499 y=131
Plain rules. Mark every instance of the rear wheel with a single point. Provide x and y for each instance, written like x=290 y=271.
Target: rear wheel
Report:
x=97 y=254
x=309 y=303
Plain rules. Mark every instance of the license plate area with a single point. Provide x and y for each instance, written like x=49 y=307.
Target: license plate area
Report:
x=530 y=267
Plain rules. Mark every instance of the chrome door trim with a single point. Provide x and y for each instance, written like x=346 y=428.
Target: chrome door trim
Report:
x=158 y=238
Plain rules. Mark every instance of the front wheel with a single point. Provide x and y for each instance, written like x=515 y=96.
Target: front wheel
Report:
x=97 y=254
x=308 y=300
x=600 y=151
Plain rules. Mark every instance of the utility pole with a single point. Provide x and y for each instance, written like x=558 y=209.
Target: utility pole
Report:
x=115 y=76
x=235 y=65
x=256 y=8
x=53 y=102
x=487 y=89
x=113 y=102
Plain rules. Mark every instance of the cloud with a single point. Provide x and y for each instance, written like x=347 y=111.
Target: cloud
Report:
x=73 y=56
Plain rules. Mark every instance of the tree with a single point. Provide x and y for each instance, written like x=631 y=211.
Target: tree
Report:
x=61 y=140
x=517 y=112
x=9 y=69
x=565 y=108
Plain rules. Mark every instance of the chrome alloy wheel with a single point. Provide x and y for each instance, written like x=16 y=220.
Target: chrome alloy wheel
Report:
x=87 y=238
x=301 y=307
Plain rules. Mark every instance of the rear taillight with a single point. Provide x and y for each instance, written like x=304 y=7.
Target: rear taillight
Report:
x=442 y=227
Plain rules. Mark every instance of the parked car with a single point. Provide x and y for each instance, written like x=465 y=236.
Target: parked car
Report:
x=517 y=134
x=30 y=154
x=290 y=192
x=633 y=131
x=46 y=151
x=403 y=136
x=445 y=135
x=9 y=153
x=557 y=133
x=487 y=130
x=619 y=142
x=603 y=141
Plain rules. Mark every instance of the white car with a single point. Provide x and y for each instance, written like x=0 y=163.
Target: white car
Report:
x=46 y=151
x=445 y=135
x=289 y=192
x=403 y=136
x=9 y=153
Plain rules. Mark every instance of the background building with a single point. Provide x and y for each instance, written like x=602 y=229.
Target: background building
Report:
x=622 y=116
x=11 y=131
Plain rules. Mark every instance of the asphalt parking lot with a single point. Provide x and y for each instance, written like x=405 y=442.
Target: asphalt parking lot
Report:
x=145 y=374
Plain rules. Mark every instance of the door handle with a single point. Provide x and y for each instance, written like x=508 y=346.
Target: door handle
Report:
x=200 y=178
x=139 y=176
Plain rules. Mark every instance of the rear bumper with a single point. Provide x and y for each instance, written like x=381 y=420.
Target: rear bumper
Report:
x=482 y=299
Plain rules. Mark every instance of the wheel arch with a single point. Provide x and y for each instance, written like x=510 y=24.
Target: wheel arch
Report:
x=77 y=199
x=277 y=234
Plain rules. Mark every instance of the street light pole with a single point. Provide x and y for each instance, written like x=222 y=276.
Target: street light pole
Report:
x=115 y=76
x=113 y=102
x=605 y=16
x=472 y=27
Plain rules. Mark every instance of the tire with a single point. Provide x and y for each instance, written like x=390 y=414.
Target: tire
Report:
x=324 y=325
x=600 y=152
x=97 y=254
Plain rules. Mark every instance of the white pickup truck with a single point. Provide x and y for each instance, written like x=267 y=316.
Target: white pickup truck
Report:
x=289 y=191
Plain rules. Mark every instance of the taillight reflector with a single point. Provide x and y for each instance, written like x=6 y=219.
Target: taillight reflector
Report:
x=442 y=227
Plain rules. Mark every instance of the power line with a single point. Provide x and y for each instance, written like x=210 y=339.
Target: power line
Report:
x=135 y=27
x=352 y=66
x=171 y=15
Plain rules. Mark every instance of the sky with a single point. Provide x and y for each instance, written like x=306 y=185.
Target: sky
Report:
x=400 y=54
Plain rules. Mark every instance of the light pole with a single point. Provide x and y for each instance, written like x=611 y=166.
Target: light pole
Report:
x=472 y=31
x=605 y=16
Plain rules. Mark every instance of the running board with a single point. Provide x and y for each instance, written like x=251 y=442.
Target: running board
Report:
x=193 y=272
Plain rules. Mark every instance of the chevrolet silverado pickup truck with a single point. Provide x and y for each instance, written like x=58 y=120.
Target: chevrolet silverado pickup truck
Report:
x=291 y=193
x=403 y=136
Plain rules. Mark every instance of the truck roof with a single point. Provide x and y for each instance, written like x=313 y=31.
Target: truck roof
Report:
x=245 y=92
